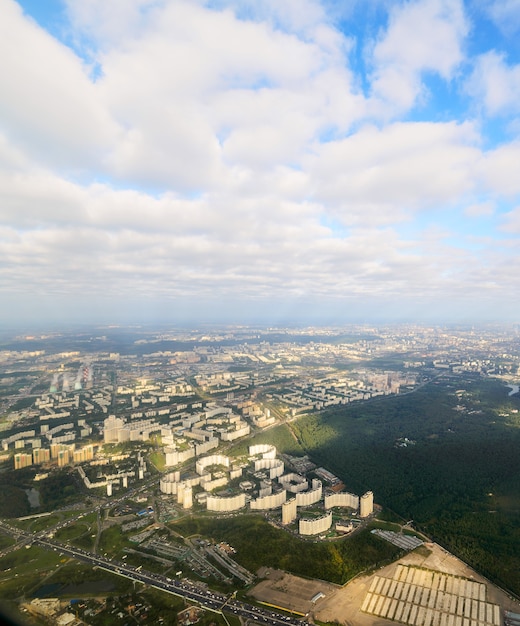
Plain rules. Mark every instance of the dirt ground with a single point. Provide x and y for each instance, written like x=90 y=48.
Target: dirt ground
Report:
x=289 y=592
x=343 y=604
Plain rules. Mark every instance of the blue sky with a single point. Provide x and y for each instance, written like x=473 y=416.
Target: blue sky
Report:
x=178 y=160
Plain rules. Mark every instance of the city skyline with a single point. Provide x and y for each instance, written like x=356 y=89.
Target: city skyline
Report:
x=272 y=162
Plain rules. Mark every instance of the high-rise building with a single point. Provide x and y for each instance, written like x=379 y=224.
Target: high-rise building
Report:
x=41 y=455
x=187 y=501
x=22 y=459
x=63 y=457
x=83 y=454
x=289 y=511
x=315 y=526
x=366 y=504
x=112 y=425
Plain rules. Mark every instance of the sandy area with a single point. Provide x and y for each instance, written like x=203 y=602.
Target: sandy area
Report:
x=342 y=604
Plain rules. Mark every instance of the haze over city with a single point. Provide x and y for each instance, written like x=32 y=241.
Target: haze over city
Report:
x=274 y=161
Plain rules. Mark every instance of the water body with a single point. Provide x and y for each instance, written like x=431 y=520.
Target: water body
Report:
x=88 y=587
x=47 y=590
x=514 y=389
x=92 y=587
x=33 y=495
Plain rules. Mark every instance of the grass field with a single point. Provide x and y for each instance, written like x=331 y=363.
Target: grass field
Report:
x=21 y=570
x=113 y=541
x=159 y=460
x=5 y=541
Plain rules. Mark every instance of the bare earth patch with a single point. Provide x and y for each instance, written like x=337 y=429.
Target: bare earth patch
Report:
x=290 y=592
x=343 y=604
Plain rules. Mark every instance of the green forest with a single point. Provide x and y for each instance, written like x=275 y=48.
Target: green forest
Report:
x=457 y=476
x=258 y=543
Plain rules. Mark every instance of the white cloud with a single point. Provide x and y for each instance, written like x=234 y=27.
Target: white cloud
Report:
x=422 y=36
x=498 y=170
x=380 y=176
x=511 y=221
x=482 y=209
x=110 y=22
x=197 y=90
x=239 y=159
x=505 y=14
x=495 y=83
x=184 y=92
x=48 y=105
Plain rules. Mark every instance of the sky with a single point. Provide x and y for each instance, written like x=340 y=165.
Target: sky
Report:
x=311 y=161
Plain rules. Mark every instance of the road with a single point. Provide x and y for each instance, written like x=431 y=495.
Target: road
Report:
x=210 y=600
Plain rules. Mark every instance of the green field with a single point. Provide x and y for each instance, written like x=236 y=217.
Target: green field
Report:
x=73 y=532
x=23 y=568
x=74 y=574
x=6 y=541
x=113 y=541
x=158 y=460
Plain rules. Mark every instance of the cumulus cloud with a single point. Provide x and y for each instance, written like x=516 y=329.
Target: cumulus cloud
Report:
x=424 y=36
x=197 y=89
x=495 y=84
x=48 y=105
x=498 y=169
x=505 y=14
x=381 y=176
x=109 y=22
x=225 y=151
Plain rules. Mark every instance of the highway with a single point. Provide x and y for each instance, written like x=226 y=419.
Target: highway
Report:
x=211 y=600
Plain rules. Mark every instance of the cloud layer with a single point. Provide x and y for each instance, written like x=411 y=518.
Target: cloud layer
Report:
x=167 y=158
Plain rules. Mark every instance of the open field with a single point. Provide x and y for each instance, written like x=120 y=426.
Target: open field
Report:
x=288 y=592
x=350 y=604
x=345 y=604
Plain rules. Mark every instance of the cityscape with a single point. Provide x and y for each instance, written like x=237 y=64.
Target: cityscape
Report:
x=259 y=330
x=167 y=426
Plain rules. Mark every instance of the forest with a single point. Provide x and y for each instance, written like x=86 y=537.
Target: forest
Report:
x=258 y=543
x=446 y=456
